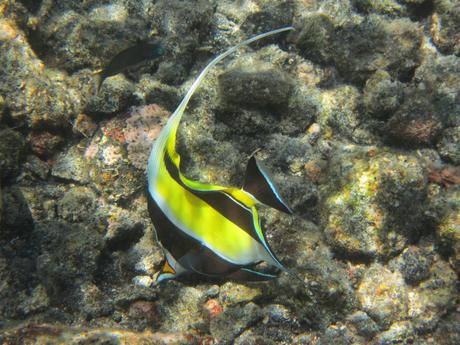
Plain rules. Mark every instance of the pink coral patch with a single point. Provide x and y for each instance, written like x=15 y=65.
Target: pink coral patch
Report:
x=142 y=127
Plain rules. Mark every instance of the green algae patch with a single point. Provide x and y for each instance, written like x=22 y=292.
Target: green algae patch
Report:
x=374 y=212
x=448 y=230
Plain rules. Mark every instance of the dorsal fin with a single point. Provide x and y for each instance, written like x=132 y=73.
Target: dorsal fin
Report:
x=257 y=182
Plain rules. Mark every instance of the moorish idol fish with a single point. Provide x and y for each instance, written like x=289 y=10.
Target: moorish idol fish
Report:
x=128 y=57
x=203 y=228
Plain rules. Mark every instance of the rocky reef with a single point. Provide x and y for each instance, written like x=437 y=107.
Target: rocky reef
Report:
x=356 y=114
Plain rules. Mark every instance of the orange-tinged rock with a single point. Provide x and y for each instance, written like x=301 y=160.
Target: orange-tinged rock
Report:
x=212 y=308
x=8 y=30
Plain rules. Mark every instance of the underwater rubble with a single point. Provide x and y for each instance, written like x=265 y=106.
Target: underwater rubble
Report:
x=356 y=115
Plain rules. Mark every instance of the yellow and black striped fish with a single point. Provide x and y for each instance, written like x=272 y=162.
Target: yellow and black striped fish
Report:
x=203 y=228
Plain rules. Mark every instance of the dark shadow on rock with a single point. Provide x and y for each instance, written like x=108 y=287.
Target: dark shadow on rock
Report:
x=17 y=252
x=16 y=218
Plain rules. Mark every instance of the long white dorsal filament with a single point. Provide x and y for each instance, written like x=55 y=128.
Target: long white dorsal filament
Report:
x=174 y=120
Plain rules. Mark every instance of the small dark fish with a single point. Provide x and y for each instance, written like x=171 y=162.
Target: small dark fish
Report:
x=129 y=57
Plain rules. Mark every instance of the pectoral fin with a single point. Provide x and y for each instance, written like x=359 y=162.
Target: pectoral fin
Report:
x=170 y=270
x=258 y=183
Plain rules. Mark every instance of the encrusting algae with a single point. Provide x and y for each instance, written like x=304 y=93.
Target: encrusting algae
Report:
x=356 y=115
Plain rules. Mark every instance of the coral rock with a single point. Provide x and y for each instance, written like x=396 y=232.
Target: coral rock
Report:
x=45 y=144
x=383 y=295
x=369 y=215
x=212 y=308
x=11 y=151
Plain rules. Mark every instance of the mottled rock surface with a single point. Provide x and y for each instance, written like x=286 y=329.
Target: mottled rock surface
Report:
x=355 y=114
x=11 y=153
x=383 y=295
x=369 y=211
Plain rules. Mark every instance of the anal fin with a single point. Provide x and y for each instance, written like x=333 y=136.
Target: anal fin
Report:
x=249 y=275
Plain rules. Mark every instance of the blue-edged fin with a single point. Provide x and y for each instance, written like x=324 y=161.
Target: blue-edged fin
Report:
x=258 y=183
x=248 y=275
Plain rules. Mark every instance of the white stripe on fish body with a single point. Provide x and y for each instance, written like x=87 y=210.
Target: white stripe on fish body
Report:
x=255 y=253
